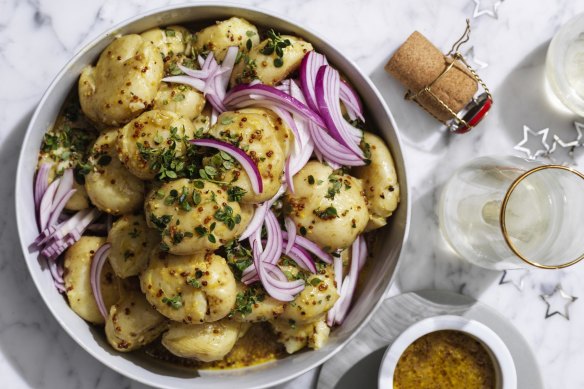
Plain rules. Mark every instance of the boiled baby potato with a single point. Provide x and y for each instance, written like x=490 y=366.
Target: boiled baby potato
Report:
x=189 y=288
x=224 y=34
x=79 y=200
x=265 y=141
x=169 y=40
x=194 y=216
x=110 y=186
x=270 y=68
x=328 y=207
x=77 y=267
x=255 y=305
x=205 y=342
x=153 y=133
x=123 y=83
x=319 y=295
x=131 y=243
x=295 y=337
x=133 y=323
x=379 y=181
x=180 y=99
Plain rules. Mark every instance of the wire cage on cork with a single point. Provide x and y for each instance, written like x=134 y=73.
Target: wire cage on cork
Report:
x=445 y=86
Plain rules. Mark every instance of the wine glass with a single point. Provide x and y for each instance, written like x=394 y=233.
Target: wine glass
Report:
x=509 y=212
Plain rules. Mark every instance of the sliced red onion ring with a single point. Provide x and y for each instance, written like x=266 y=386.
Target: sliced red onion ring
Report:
x=41 y=183
x=351 y=100
x=58 y=208
x=308 y=70
x=358 y=254
x=212 y=80
x=46 y=206
x=332 y=151
x=245 y=161
x=291 y=233
x=327 y=98
x=260 y=94
x=302 y=258
x=97 y=263
x=256 y=221
x=310 y=246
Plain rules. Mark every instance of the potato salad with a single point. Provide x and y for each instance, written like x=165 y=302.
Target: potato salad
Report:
x=208 y=196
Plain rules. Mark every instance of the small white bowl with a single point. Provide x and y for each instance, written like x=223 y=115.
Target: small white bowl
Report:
x=502 y=360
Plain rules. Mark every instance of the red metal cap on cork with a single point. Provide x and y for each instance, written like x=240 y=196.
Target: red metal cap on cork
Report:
x=472 y=114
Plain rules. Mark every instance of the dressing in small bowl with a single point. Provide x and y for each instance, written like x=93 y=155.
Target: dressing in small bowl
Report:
x=447 y=352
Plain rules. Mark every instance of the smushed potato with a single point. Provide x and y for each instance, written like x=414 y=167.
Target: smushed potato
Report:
x=194 y=216
x=131 y=241
x=224 y=34
x=191 y=289
x=123 y=83
x=109 y=185
x=266 y=70
x=133 y=323
x=153 y=133
x=328 y=207
x=379 y=181
x=77 y=266
x=205 y=342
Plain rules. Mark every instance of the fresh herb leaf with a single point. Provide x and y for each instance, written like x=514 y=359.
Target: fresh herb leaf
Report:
x=174 y=302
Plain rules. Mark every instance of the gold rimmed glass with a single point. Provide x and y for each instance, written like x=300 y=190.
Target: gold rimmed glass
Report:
x=508 y=212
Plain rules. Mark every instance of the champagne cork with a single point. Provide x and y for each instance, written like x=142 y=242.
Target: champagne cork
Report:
x=417 y=63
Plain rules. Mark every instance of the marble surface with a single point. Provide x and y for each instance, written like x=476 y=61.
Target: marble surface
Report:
x=509 y=43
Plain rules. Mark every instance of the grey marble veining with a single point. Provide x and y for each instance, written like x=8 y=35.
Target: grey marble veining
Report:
x=37 y=37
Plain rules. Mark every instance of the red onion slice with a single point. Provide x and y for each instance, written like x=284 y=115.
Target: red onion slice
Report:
x=46 y=206
x=97 y=263
x=328 y=100
x=331 y=150
x=308 y=70
x=41 y=183
x=291 y=233
x=302 y=259
x=258 y=94
x=311 y=246
x=244 y=160
x=351 y=100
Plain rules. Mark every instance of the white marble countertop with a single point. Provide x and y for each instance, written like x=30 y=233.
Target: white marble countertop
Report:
x=37 y=37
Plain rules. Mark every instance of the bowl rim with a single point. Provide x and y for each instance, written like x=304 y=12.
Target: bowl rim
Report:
x=33 y=266
x=481 y=332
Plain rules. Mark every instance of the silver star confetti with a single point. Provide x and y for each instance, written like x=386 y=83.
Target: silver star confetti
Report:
x=566 y=155
x=471 y=57
x=523 y=147
x=558 y=303
x=493 y=12
x=514 y=277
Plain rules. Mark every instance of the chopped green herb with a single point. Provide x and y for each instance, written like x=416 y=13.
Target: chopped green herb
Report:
x=227 y=120
x=179 y=97
x=311 y=180
x=160 y=222
x=235 y=193
x=328 y=214
x=315 y=281
x=303 y=231
x=174 y=302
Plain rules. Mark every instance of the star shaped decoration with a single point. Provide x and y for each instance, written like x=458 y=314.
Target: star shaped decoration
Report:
x=558 y=303
x=493 y=12
x=470 y=56
x=566 y=157
x=522 y=146
x=514 y=277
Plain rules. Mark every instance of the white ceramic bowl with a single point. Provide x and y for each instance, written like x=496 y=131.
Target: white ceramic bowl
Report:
x=134 y=365
x=502 y=359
